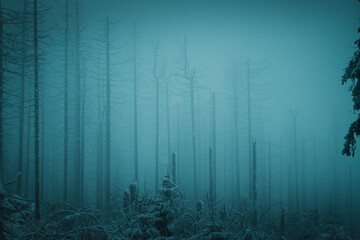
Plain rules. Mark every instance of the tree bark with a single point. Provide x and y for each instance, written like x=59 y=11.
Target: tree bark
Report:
x=108 y=115
x=66 y=104
x=136 y=154
x=36 y=110
x=77 y=170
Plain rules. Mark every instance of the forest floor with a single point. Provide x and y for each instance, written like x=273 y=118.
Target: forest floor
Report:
x=165 y=215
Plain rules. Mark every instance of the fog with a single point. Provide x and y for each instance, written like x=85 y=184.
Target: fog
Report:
x=238 y=104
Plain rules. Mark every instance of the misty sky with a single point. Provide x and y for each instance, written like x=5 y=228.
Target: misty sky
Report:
x=306 y=45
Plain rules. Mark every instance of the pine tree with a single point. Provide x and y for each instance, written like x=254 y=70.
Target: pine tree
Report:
x=352 y=72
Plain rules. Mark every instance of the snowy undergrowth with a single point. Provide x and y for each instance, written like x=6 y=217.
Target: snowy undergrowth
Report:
x=164 y=215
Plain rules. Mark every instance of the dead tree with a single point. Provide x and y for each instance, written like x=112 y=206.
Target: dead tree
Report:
x=36 y=110
x=66 y=102
x=157 y=83
x=136 y=154
x=77 y=164
x=107 y=120
x=214 y=141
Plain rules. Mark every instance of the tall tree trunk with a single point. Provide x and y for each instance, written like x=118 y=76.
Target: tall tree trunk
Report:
x=303 y=179
x=254 y=191
x=249 y=122
x=77 y=165
x=178 y=145
x=135 y=110
x=173 y=167
x=42 y=147
x=1 y=94
x=168 y=128
x=99 y=163
x=270 y=186
x=157 y=120
x=193 y=135
x=236 y=134
x=190 y=77
x=297 y=205
x=315 y=177
x=82 y=135
x=107 y=137
x=36 y=110
x=28 y=143
x=211 y=185
x=22 y=100
x=66 y=103
x=214 y=141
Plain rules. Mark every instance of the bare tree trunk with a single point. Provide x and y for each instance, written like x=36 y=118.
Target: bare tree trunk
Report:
x=173 y=168
x=77 y=165
x=82 y=137
x=249 y=123
x=135 y=110
x=270 y=186
x=236 y=135
x=157 y=118
x=214 y=141
x=42 y=147
x=22 y=100
x=315 y=177
x=66 y=103
x=1 y=94
x=211 y=185
x=303 y=179
x=108 y=115
x=190 y=76
x=168 y=128
x=36 y=110
x=28 y=144
x=193 y=135
x=254 y=191
x=297 y=205
x=99 y=163
x=178 y=144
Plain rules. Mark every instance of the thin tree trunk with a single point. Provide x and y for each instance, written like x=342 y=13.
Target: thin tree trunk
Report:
x=193 y=135
x=66 y=104
x=36 y=110
x=303 y=179
x=42 y=148
x=99 y=164
x=214 y=141
x=168 y=128
x=82 y=138
x=236 y=133
x=254 y=191
x=22 y=101
x=190 y=75
x=135 y=110
x=77 y=170
x=1 y=94
x=249 y=123
x=173 y=168
x=178 y=145
x=28 y=144
x=270 y=168
x=297 y=205
x=107 y=137
x=211 y=185
x=315 y=182
x=157 y=120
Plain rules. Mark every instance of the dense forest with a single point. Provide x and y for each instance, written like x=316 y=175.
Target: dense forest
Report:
x=179 y=119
